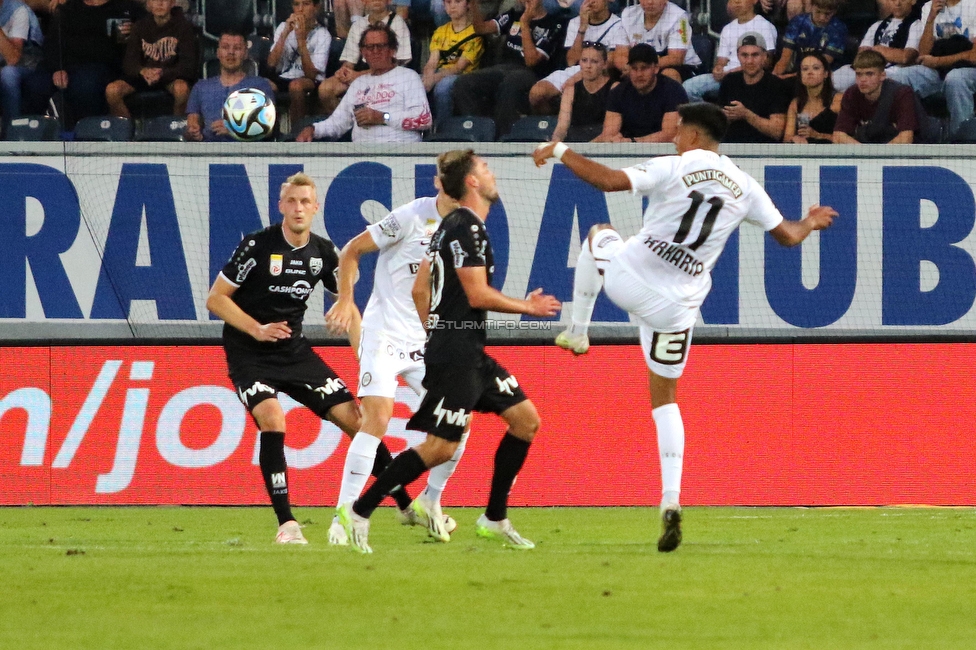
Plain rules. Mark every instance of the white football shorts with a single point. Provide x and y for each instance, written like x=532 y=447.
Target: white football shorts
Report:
x=383 y=358
x=665 y=326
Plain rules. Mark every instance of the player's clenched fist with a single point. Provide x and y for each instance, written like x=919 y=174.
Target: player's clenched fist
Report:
x=543 y=153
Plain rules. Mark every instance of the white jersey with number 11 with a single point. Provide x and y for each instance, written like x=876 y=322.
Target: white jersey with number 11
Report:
x=695 y=202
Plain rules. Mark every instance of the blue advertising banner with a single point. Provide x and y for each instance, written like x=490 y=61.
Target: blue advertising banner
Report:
x=104 y=241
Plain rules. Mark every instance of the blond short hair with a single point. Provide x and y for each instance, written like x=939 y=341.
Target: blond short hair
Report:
x=301 y=179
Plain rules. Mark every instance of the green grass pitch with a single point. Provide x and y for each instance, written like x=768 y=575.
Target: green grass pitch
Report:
x=743 y=578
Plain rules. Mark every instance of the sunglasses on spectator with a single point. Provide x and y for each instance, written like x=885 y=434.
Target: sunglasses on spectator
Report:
x=596 y=45
x=375 y=47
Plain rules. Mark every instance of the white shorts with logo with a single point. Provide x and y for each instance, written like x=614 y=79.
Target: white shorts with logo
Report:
x=560 y=77
x=383 y=358
x=665 y=326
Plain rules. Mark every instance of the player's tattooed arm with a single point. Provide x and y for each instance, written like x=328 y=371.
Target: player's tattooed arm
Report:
x=481 y=295
x=219 y=302
x=340 y=318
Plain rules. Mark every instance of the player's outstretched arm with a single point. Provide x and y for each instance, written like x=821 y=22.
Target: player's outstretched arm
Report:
x=421 y=291
x=344 y=313
x=220 y=304
x=599 y=176
x=791 y=233
x=482 y=295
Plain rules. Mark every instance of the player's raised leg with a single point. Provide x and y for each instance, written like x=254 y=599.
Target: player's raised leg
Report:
x=587 y=283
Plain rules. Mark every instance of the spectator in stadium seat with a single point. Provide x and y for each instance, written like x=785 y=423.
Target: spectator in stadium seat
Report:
x=818 y=31
x=595 y=24
x=744 y=20
x=20 y=51
x=754 y=100
x=666 y=27
x=455 y=49
x=353 y=63
x=813 y=112
x=643 y=107
x=387 y=105
x=896 y=38
x=583 y=107
x=531 y=38
x=349 y=11
x=946 y=57
x=83 y=51
x=161 y=54
x=858 y=120
x=204 y=120
x=299 y=56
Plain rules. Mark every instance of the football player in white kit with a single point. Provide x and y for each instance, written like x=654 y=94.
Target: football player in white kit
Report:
x=661 y=275
x=391 y=345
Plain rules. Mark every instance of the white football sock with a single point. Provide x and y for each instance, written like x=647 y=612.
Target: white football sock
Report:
x=671 y=448
x=439 y=475
x=587 y=283
x=358 y=465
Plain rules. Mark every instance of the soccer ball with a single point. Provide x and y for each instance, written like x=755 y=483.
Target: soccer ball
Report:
x=249 y=115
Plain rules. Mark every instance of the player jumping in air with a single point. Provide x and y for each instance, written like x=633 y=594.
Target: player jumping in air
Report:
x=662 y=275
x=261 y=296
x=460 y=377
x=392 y=344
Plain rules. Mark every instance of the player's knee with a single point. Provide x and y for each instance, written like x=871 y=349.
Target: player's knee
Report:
x=526 y=426
x=595 y=229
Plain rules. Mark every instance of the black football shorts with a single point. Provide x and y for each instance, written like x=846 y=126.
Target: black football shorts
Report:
x=297 y=372
x=455 y=391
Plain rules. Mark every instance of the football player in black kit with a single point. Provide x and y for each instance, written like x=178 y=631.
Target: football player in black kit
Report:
x=460 y=377
x=261 y=296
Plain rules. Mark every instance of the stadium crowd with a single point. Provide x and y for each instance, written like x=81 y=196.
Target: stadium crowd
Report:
x=800 y=71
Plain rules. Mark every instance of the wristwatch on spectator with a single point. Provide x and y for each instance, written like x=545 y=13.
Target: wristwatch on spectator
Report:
x=386 y=119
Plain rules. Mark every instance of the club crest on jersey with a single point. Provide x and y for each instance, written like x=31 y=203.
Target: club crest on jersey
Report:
x=315 y=265
x=277 y=263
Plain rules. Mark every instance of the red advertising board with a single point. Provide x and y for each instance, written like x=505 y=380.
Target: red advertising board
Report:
x=766 y=425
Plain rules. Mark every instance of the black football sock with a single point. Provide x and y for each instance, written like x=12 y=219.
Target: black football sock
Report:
x=509 y=458
x=383 y=460
x=275 y=472
x=404 y=470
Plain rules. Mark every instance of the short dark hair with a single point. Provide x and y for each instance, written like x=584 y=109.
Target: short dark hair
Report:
x=869 y=59
x=642 y=53
x=706 y=116
x=452 y=168
x=232 y=31
x=391 y=37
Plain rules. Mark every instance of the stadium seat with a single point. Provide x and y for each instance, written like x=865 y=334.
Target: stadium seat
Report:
x=258 y=48
x=219 y=15
x=532 y=129
x=32 y=128
x=104 y=128
x=149 y=103
x=167 y=128
x=966 y=133
x=467 y=128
